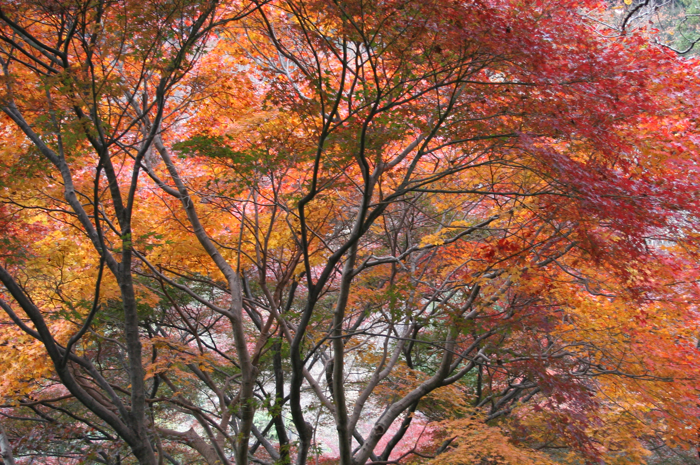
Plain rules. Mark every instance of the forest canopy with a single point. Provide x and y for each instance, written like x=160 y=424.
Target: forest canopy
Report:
x=349 y=231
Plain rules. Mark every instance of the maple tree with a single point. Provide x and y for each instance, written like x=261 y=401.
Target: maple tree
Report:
x=673 y=24
x=350 y=232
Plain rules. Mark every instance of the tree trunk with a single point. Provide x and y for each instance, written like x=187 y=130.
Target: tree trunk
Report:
x=5 y=449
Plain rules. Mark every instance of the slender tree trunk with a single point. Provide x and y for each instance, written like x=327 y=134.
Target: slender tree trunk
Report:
x=5 y=449
x=279 y=402
x=144 y=452
x=339 y=399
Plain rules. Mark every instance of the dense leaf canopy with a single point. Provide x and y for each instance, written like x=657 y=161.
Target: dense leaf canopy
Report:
x=312 y=231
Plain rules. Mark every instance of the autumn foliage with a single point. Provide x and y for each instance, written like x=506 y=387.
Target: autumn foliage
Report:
x=312 y=231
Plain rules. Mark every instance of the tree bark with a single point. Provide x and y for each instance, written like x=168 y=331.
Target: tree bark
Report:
x=5 y=448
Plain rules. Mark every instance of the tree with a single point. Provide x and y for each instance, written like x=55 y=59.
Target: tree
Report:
x=239 y=227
